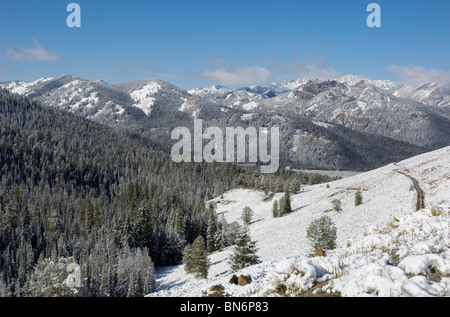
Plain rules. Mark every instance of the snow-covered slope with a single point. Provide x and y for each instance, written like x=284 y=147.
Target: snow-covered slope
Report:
x=147 y=92
x=385 y=247
x=415 y=114
x=23 y=87
x=211 y=92
x=430 y=94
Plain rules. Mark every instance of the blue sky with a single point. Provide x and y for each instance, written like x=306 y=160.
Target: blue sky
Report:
x=193 y=43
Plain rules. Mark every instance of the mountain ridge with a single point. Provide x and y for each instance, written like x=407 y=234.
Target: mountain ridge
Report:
x=320 y=119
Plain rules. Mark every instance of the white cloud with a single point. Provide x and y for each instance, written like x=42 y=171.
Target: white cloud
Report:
x=420 y=75
x=316 y=67
x=236 y=75
x=37 y=53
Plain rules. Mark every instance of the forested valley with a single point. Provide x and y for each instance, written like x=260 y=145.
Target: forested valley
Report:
x=108 y=201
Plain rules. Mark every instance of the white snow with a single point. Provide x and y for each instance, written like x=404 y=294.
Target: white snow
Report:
x=385 y=247
x=322 y=124
x=90 y=101
x=144 y=97
x=22 y=87
x=247 y=116
x=250 y=106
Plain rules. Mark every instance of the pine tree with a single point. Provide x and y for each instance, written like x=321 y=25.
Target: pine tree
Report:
x=244 y=252
x=211 y=230
x=234 y=231
x=275 y=210
x=322 y=234
x=287 y=203
x=187 y=259
x=144 y=225
x=282 y=203
x=358 y=198
x=223 y=240
x=199 y=258
x=247 y=214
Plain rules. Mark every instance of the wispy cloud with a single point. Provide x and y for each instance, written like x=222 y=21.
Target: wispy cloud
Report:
x=315 y=67
x=234 y=74
x=32 y=54
x=420 y=75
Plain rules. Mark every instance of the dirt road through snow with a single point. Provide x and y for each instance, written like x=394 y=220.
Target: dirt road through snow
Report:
x=420 y=194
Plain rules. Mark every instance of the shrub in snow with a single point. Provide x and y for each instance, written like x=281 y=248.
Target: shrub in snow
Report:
x=337 y=205
x=425 y=264
x=291 y=278
x=322 y=234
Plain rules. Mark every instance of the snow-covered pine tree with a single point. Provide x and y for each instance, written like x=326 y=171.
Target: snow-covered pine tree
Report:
x=322 y=234
x=199 y=258
x=49 y=279
x=244 y=252
x=222 y=233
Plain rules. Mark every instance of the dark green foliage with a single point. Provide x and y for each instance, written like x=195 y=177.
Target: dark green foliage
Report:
x=244 y=252
x=72 y=188
x=358 y=198
x=322 y=234
x=195 y=258
x=247 y=214
x=287 y=203
x=337 y=205
x=275 y=209
x=284 y=206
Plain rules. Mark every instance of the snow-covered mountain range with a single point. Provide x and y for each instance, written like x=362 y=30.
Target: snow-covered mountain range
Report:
x=385 y=246
x=349 y=123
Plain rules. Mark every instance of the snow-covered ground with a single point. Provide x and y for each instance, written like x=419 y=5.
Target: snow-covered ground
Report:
x=385 y=247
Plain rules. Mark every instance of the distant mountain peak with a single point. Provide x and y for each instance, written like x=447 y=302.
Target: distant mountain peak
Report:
x=101 y=81
x=350 y=79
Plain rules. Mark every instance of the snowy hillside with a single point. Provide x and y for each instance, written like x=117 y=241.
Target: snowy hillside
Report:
x=385 y=247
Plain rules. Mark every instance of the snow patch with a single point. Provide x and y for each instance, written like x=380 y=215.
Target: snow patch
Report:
x=144 y=97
